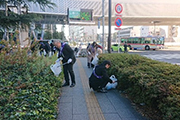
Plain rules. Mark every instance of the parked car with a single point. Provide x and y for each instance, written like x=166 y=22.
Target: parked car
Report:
x=115 y=47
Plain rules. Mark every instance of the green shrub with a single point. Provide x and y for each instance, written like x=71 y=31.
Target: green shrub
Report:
x=157 y=84
x=28 y=88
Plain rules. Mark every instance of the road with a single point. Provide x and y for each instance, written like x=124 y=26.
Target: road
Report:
x=161 y=55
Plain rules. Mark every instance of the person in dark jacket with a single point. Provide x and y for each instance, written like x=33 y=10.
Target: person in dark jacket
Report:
x=53 y=48
x=66 y=54
x=125 y=47
x=99 y=77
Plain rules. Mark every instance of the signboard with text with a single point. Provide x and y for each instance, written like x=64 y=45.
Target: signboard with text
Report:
x=80 y=15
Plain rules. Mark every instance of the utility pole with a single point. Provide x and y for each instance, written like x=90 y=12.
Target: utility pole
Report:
x=103 y=25
x=109 y=33
x=6 y=14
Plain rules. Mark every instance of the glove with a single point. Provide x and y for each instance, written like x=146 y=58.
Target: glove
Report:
x=69 y=60
x=59 y=59
x=89 y=53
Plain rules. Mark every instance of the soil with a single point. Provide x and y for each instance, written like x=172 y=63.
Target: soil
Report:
x=149 y=113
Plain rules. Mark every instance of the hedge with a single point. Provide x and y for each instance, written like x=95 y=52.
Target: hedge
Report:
x=154 y=83
x=28 y=88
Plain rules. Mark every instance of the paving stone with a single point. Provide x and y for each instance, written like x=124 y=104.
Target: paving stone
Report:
x=81 y=117
x=65 y=111
x=73 y=103
x=112 y=116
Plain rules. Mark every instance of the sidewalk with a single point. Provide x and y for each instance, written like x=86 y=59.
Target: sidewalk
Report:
x=82 y=103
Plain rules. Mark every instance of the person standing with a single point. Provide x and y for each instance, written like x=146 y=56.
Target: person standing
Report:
x=66 y=54
x=91 y=51
x=125 y=47
x=99 y=77
x=53 y=48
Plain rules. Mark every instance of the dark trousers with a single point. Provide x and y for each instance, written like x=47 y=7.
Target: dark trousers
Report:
x=68 y=70
x=97 y=83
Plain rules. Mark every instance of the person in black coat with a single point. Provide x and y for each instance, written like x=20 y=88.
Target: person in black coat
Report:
x=99 y=77
x=53 y=48
x=125 y=47
x=66 y=54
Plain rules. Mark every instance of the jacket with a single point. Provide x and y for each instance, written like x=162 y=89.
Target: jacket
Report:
x=66 y=53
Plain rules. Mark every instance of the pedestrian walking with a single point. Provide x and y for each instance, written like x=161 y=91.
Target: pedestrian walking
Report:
x=99 y=77
x=66 y=54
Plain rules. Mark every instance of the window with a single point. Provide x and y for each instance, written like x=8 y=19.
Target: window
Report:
x=147 y=41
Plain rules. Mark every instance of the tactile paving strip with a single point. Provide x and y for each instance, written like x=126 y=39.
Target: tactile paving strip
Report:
x=94 y=109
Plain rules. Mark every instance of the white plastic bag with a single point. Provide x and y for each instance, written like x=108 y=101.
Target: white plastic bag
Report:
x=95 y=60
x=112 y=85
x=56 y=68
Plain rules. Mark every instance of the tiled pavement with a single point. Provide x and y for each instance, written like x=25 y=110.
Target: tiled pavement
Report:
x=82 y=103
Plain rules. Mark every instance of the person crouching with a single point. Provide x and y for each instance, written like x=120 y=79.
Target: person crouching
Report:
x=99 y=77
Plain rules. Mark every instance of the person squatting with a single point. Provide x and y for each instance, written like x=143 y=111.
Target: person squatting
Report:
x=99 y=77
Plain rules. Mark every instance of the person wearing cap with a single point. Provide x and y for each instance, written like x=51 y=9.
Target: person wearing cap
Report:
x=99 y=77
x=66 y=54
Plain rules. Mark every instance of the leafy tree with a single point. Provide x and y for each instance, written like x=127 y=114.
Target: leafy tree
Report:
x=56 y=35
x=47 y=35
x=61 y=35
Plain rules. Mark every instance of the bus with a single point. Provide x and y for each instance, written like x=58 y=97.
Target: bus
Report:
x=160 y=42
x=143 y=43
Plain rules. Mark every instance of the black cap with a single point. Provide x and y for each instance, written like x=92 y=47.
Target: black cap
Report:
x=106 y=62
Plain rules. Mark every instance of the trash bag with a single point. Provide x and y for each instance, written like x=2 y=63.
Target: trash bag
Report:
x=56 y=68
x=95 y=60
x=112 y=85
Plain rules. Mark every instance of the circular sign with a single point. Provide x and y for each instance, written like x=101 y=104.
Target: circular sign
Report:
x=118 y=8
x=118 y=22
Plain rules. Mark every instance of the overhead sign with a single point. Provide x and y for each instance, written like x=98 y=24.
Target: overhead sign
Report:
x=118 y=22
x=118 y=8
x=80 y=15
x=74 y=14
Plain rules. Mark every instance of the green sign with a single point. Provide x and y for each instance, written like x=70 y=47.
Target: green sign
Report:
x=74 y=14
x=80 y=14
x=86 y=15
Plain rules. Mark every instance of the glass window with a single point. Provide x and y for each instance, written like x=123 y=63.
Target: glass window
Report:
x=147 y=41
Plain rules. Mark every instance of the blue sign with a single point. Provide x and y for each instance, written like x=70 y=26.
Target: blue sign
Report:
x=118 y=22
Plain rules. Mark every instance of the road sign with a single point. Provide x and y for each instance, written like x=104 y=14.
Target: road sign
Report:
x=118 y=8
x=118 y=22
